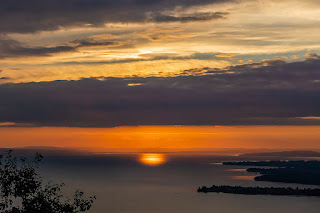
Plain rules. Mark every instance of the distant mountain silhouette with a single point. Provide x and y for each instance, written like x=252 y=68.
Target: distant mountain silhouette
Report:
x=46 y=150
x=283 y=154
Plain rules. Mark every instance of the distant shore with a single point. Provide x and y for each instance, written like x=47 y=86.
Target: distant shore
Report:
x=300 y=172
x=303 y=172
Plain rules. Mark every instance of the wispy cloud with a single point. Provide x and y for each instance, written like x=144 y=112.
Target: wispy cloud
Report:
x=194 y=17
x=225 y=55
x=164 y=34
x=12 y=48
x=310 y=118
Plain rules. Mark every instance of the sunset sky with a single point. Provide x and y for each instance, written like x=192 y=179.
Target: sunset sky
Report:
x=54 y=40
x=164 y=138
x=108 y=63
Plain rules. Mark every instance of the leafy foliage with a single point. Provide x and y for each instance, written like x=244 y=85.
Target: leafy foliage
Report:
x=22 y=189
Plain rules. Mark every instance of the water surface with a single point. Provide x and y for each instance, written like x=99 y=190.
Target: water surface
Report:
x=161 y=183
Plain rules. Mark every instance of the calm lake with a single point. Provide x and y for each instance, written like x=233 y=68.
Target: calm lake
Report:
x=160 y=183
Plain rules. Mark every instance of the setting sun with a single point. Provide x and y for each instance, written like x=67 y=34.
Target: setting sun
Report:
x=152 y=159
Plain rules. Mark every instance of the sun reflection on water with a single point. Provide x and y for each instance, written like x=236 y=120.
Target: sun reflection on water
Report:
x=152 y=159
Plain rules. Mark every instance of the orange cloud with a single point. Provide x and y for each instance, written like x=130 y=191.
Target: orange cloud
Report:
x=13 y=124
x=281 y=58
x=310 y=118
x=225 y=55
x=7 y=124
x=312 y=55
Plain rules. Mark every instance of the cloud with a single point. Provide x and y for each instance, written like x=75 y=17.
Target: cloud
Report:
x=12 y=48
x=164 y=34
x=194 y=17
x=310 y=118
x=94 y=43
x=104 y=37
x=4 y=78
x=268 y=92
x=170 y=37
x=227 y=55
x=37 y=15
x=312 y=56
x=7 y=124
x=12 y=124
x=134 y=84
x=295 y=57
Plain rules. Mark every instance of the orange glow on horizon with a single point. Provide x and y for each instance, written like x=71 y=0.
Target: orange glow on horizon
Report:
x=155 y=139
x=152 y=159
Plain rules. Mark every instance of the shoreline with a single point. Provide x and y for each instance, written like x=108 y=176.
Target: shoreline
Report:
x=288 y=191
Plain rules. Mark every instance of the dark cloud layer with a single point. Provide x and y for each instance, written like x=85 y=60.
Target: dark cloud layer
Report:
x=12 y=48
x=189 y=18
x=270 y=92
x=37 y=15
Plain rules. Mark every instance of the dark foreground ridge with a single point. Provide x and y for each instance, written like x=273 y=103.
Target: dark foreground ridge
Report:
x=260 y=190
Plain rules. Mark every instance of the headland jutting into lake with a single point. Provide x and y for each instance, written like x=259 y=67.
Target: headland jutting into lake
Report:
x=301 y=172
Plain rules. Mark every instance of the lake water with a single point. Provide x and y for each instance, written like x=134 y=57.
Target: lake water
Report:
x=126 y=183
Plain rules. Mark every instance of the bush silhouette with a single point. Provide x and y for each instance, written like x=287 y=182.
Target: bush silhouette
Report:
x=22 y=189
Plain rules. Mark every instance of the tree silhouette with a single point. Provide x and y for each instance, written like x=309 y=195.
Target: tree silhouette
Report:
x=22 y=189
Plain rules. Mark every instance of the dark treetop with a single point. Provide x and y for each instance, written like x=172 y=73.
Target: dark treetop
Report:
x=22 y=189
